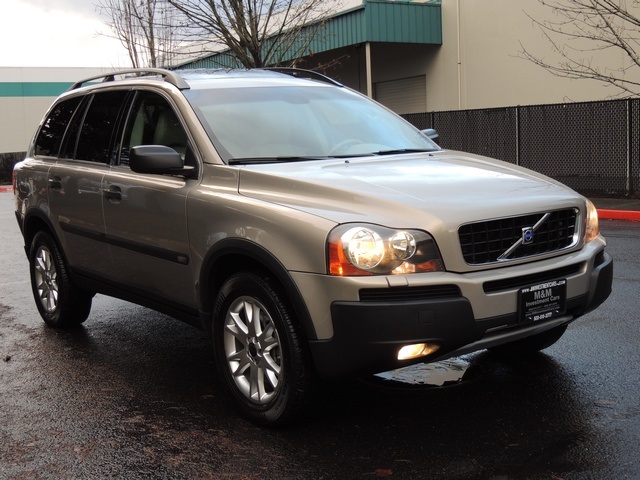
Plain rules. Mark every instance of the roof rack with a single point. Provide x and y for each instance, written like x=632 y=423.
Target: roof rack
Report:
x=169 y=76
x=302 y=73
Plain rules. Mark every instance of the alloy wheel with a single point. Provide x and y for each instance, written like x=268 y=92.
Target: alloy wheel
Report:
x=252 y=350
x=46 y=279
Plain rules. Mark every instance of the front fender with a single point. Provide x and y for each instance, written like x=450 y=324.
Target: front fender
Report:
x=234 y=255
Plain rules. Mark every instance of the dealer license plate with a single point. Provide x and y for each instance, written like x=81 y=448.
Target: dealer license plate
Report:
x=542 y=301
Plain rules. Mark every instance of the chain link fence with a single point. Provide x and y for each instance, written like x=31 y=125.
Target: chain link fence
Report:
x=593 y=147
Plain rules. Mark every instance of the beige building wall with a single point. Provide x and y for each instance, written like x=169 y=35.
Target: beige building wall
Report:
x=19 y=118
x=20 y=115
x=479 y=64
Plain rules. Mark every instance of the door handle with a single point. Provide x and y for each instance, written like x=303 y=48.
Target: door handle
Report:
x=55 y=183
x=114 y=193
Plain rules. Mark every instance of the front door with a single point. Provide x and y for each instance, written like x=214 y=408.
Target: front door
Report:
x=145 y=215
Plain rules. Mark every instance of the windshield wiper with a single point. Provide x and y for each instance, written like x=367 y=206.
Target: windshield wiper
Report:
x=281 y=159
x=404 y=150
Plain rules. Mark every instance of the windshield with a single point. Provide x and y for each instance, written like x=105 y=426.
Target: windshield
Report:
x=285 y=123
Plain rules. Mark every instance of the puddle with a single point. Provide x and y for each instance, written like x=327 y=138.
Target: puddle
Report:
x=438 y=374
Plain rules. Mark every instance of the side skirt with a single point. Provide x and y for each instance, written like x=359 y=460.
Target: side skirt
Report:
x=176 y=310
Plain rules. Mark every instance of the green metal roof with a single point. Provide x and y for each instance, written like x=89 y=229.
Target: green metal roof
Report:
x=374 y=21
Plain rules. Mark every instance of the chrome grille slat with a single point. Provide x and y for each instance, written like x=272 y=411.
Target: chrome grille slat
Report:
x=501 y=239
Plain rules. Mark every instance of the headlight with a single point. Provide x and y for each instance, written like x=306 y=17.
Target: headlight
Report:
x=592 y=229
x=362 y=249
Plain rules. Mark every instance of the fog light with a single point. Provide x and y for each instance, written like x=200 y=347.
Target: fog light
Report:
x=417 y=350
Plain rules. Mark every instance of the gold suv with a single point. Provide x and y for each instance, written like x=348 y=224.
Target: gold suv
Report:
x=307 y=229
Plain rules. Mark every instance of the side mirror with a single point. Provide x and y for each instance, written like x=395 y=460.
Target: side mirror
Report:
x=432 y=134
x=157 y=159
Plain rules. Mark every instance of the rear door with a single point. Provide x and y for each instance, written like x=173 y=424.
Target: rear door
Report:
x=145 y=215
x=75 y=181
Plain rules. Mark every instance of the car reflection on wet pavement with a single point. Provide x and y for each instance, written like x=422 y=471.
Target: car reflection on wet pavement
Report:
x=438 y=374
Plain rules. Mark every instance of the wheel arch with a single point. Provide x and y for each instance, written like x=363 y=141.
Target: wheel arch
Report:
x=34 y=222
x=238 y=255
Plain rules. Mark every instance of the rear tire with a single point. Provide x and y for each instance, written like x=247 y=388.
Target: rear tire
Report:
x=260 y=351
x=60 y=302
x=529 y=345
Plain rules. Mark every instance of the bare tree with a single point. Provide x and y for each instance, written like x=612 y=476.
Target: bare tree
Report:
x=256 y=33
x=585 y=35
x=146 y=28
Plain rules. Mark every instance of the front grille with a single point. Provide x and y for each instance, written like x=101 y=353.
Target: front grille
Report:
x=502 y=239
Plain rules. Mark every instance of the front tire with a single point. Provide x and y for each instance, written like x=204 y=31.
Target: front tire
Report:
x=60 y=302
x=260 y=351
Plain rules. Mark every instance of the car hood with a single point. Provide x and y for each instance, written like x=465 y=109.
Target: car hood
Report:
x=434 y=191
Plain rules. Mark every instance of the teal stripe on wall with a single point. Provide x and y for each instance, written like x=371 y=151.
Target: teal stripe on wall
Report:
x=33 y=89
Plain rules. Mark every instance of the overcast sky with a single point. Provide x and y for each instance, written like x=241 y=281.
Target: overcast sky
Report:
x=56 y=33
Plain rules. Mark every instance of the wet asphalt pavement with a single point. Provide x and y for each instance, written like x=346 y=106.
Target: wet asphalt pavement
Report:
x=133 y=394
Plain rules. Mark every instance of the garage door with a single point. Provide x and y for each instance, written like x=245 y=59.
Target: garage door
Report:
x=407 y=95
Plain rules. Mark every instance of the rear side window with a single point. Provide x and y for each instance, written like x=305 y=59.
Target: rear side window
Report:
x=98 y=128
x=50 y=135
x=93 y=142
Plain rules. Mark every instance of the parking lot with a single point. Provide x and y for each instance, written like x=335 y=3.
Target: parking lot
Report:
x=133 y=394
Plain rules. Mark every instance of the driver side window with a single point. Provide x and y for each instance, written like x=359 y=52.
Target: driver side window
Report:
x=152 y=121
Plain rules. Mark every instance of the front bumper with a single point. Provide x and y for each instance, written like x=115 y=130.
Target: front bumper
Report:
x=368 y=334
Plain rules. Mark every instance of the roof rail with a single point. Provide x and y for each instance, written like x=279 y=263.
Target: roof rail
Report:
x=168 y=75
x=302 y=73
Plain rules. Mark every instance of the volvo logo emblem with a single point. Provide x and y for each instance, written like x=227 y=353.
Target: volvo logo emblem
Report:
x=527 y=235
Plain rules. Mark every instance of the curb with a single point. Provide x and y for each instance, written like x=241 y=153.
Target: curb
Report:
x=632 y=215
x=5 y=188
